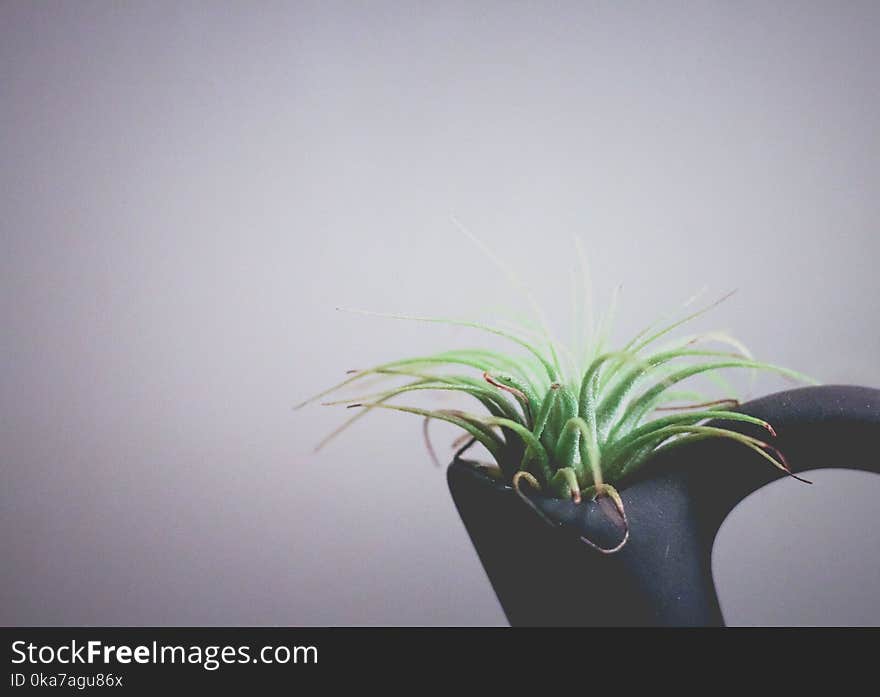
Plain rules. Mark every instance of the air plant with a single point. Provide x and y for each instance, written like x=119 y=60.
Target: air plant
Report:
x=574 y=427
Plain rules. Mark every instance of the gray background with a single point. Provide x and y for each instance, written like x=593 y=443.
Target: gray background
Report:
x=188 y=190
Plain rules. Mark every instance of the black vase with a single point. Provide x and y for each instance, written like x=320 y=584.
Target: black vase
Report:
x=544 y=575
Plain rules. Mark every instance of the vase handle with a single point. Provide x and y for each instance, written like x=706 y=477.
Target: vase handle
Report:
x=826 y=426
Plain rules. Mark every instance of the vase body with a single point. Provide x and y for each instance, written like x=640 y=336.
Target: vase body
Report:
x=545 y=575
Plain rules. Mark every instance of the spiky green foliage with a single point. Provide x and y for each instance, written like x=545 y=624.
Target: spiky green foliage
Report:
x=572 y=421
x=574 y=432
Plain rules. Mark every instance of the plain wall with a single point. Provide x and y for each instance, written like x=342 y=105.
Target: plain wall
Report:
x=189 y=190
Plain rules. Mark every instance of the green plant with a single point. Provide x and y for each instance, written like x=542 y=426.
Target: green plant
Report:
x=574 y=426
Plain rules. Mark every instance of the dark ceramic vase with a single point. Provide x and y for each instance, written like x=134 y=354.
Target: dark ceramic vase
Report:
x=674 y=507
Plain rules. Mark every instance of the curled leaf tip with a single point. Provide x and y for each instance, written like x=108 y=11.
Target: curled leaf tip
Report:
x=727 y=401
x=795 y=476
x=787 y=468
x=494 y=382
x=530 y=478
x=606 y=490
x=458 y=442
x=471 y=441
